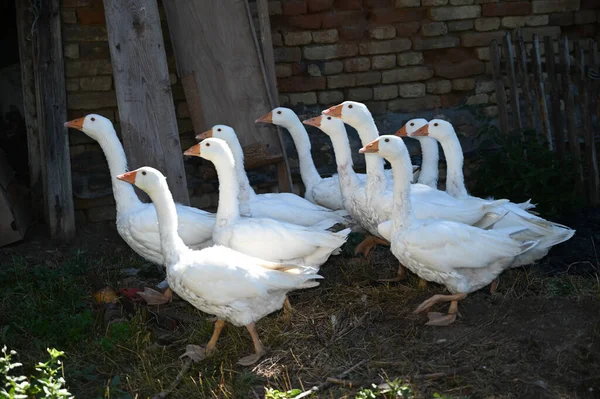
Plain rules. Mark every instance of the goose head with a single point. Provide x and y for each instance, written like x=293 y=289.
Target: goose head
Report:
x=350 y=112
x=327 y=124
x=280 y=116
x=222 y=132
x=95 y=126
x=387 y=146
x=146 y=178
x=212 y=149
x=438 y=129
x=410 y=127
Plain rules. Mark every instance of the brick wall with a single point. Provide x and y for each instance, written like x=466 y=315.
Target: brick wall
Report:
x=397 y=56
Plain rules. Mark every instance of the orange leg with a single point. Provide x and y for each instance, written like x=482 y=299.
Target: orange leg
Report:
x=494 y=285
x=287 y=309
x=439 y=319
x=367 y=245
x=259 y=349
x=197 y=353
x=400 y=275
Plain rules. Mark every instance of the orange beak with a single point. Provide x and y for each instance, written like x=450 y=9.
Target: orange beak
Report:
x=193 y=151
x=424 y=131
x=76 y=123
x=129 y=177
x=335 y=111
x=402 y=132
x=373 y=146
x=204 y=135
x=316 y=121
x=267 y=118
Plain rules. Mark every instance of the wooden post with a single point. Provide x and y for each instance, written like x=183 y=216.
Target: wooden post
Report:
x=49 y=71
x=24 y=19
x=495 y=52
x=554 y=92
x=540 y=92
x=146 y=109
x=565 y=61
x=509 y=58
x=524 y=78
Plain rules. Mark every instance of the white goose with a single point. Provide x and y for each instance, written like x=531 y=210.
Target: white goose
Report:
x=268 y=239
x=324 y=191
x=234 y=287
x=461 y=257
x=548 y=233
x=137 y=221
x=430 y=153
x=286 y=207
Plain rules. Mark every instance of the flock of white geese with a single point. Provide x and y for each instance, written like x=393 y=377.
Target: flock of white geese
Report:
x=240 y=263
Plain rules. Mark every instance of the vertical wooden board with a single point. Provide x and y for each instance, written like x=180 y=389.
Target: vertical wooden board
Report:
x=495 y=53
x=51 y=98
x=540 y=91
x=214 y=41
x=24 y=19
x=554 y=93
x=146 y=109
x=509 y=59
x=524 y=78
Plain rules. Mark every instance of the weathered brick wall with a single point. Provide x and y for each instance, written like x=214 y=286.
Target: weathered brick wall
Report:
x=397 y=56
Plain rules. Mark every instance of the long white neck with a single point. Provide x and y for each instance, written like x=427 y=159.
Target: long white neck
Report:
x=376 y=181
x=228 y=211
x=343 y=158
x=402 y=213
x=308 y=171
x=455 y=180
x=172 y=246
x=124 y=193
x=430 y=158
x=246 y=192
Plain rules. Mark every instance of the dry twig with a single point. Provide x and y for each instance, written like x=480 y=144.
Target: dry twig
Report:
x=328 y=383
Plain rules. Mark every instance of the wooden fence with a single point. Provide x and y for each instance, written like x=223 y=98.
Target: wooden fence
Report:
x=558 y=96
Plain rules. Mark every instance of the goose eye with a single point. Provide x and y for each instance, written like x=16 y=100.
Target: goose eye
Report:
x=387 y=140
x=329 y=117
x=435 y=124
x=208 y=144
x=144 y=173
x=279 y=112
x=93 y=119
x=219 y=129
x=412 y=124
x=350 y=106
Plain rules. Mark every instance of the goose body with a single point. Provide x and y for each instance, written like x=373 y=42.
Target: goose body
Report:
x=265 y=238
x=137 y=222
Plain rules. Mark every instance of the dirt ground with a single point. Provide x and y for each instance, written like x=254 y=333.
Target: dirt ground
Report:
x=537 y=337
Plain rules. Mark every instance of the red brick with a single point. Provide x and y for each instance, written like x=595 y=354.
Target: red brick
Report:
x=447 y=54
x=319 y=5
x=352 y=33
x=561 y=19
x=397 y=16
x=298 y=68
x=294 y=7
x=348 y=4
x=344 y=18
x=301 y=83
x=310 y=21
x=503 y=9
x=91 y=16
x=586 y=4
x=460 y=69
x=94 y=51
x=378 y=3
x=451 y=99
x=407 y=29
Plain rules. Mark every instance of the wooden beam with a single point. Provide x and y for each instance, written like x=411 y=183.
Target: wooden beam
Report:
x=496 y=54
x=49 y=72
x=538 y=78
x=146 y=109
x=24 y=19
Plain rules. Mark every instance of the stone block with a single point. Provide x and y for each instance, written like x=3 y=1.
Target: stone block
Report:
x=477 y=99
x=382 y=32
x=491 y=111
x=360 y=94
x=452 y=13
x=79 y=68
x=339 y=81
x=583 y=17
x=396 y=15
x=460 y=25
x=414 y=104
x=325 y=36
x=71 y=50
x=314 y=70
x=357 y=64
x=561 y=19
x=407 y=74
x=319 y=5
x=287 y=54
x=432 y=43
x=433 y=3
x=541 y=31
x=72 y=84
x=91 y=101
x=367 y=78
x=407 y=3
x=308 y=98
x=461 y=69
x=385 y=46
x=463 y=84
x=487 y=24
x=331 y=97
x=411 y=90
x=483 y=53
x=96 y=83
x=275 y=8
x=461 y=2
x=434 y=29
x=84 y=33
x=283 y=70
x=438 y=86
x=292 y=39
x=480 y=39
x=506 y=8
x=277 y=39
x=383 y=61
x=300 y=84
x=68 y=17
x=333 y=67
x=385 y=92
x=331 y=51
x=549 y=6
x=412 y=58
x=485 y=86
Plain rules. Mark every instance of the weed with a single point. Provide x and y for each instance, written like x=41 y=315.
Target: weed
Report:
x=271 y=393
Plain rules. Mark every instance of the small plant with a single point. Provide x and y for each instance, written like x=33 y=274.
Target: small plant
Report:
x=48 y=383
x=394 y=389
x=271 y=393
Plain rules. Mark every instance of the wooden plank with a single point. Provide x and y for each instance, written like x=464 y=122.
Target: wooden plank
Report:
x=541 y=92
x=585 y=110
x=595 y=55
x=146 y=109
x=524 y=80
x=51 y=97
x=24 y=19
x=569 y=100
x=267 y=60
x=495 y=53
x=554 y=93
x=509 y=58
